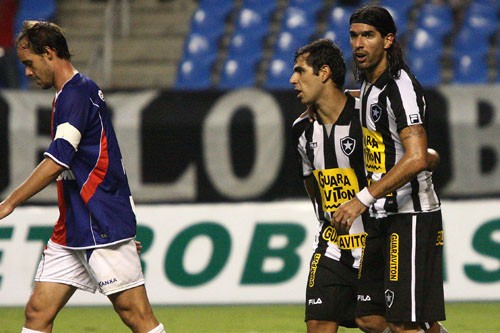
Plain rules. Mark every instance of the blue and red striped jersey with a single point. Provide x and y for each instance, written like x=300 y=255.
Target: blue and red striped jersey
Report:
x=95 y=202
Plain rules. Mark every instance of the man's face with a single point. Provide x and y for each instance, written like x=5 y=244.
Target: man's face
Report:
x=306 y=83
x=368 y=47
x=38 y=67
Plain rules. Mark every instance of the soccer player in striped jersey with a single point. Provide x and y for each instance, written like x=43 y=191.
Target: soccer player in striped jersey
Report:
x=330 y=159
x=401 y=273
x=92 y=245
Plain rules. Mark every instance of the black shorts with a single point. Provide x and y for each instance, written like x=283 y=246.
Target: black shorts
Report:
x=401 y=274
x=331 y=292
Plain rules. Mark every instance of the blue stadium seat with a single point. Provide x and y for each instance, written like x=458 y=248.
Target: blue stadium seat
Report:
x=220 y=8
x=287 y=43
x=264 y=7
x=193 y=75
x=252 y=22
x=341 y=40
x=209 y=23
x=469 y=41
x=470 y=69
x=298 y=21
x=238 y=73
x=338 y=19
x=310 y=6
x=401 y=20
x=278 y=74
x=435 y=18
x=198 y=46
x=422 y=40
x=400 y=6
x=246 y=46
x=426 y=68
x=482 y=18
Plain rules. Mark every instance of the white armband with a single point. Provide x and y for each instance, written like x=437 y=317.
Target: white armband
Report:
x=365 y=197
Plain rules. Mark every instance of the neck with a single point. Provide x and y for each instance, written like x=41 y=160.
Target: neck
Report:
x=330 y=107
x=65 y=71
x=374 y=73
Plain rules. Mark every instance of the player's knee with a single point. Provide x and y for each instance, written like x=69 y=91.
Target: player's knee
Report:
x=314 y=326
x=371 y=324
x=38 y=316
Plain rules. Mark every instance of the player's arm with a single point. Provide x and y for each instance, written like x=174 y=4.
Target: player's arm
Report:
x=43 y=175
x=414 y=160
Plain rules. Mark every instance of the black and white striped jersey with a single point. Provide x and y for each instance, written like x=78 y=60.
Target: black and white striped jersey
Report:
x=333 y=155
x=387 y=106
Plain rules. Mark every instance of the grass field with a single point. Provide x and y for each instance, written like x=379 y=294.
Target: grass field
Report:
x=461 y=318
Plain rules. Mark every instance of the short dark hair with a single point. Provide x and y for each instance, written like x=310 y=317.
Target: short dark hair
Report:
x=40 y=34
x=325 y=52
x=380 y=18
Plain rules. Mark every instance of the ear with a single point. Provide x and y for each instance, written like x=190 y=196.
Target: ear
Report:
x=388 y=40
x=325 y=73
x=49 y=53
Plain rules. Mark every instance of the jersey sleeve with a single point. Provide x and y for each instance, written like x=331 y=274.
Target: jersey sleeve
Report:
x=299 y=142
x=406 y=103
x=70 y=120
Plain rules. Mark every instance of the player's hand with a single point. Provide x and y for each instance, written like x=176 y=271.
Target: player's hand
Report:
x=5 y=209
x=345 y=215
x=138 y=246
x=310 y=113
x=433 y=159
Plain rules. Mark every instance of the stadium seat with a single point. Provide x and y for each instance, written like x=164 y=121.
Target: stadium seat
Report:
x=252 y=22
x=437 y=19
x=198 y=46
x=338 y=19
x=220 y=8
x=278 y=74
x=482 y=18
x=263 y=7
x=312 y=7
x=426 y=68
x=422 y=40
x=298 y=21
x=237 y=73
x=468 y=41
x=209 y=23
x=401 y=20
x=400 y=6
x=287 y=43
x=341 y=40
x=193 y=75
x=470 y=69
x=245 y=46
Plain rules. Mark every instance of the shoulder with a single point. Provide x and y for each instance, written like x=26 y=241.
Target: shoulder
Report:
x=299 y=126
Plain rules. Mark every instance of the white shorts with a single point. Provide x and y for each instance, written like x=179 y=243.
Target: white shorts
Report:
x=111 y=269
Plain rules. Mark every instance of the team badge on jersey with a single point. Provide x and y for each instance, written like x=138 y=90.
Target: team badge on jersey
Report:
x=375 y=112
x=389 y=297
x=347 y=144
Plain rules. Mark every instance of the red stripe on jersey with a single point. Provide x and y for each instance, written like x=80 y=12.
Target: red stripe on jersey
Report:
x=59 y=233
x=97 y=175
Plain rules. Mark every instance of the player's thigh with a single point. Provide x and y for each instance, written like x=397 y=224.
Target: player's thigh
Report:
x=47 y=298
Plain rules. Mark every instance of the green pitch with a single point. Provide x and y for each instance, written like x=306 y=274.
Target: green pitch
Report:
x=462 y=318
